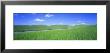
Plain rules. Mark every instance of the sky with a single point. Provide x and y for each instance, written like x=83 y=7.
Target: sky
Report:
x=55 y=18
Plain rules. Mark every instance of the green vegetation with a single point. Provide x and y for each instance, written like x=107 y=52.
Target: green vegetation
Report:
x=55 y=32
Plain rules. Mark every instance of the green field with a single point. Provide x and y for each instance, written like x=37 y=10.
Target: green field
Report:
x=55 y=32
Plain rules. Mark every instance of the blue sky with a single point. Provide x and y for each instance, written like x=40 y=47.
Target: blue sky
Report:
x=55 y=18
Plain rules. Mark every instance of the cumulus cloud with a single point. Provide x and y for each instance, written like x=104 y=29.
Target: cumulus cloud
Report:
x=60 y=23
x=79 y=21
x=74 y=24
x=40 y=20
x=83 y=23
x=49 y=15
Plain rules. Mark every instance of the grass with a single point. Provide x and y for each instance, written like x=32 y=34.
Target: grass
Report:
x=73 y=33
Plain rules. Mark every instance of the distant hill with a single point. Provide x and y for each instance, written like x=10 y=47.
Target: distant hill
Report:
x=21 y=28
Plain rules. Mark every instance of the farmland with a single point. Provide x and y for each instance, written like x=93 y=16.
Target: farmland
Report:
x=55 y=32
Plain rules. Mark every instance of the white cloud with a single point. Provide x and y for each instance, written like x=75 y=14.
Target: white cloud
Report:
x=60 y=23
x=74 y=24
x=83 y=23
x=40 y=20
x=79 y=21
x=49 y=15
